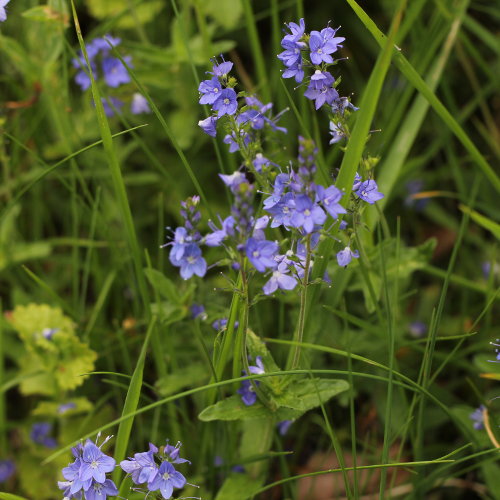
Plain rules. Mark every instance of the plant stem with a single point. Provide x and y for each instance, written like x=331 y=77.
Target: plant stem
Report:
x=299 y=332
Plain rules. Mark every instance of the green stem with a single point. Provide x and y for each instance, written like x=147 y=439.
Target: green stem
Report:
x=299 y=332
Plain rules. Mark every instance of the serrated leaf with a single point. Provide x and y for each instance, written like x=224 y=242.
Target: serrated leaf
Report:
x=305 y=394
x=232 y=408
x=238 y=486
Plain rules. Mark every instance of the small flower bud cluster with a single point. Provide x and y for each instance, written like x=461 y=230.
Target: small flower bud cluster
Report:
x=111 y=70
x=87 y=474
x=153 y=469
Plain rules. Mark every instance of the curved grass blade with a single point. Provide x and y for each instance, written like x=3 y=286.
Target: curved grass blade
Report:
x=131 y=403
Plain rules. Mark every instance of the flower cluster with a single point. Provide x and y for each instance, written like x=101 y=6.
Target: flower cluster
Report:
x=154 y=470
x=7 y=469
x=109 y=69
x=313 y=51
x=185 y=252
x=246 y=390
x=243 y=121
x=87 y=474
x=40 y=434
x=477 y=417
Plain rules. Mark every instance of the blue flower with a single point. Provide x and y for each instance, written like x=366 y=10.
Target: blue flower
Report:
x=226 y=103
x=208 y=125
x=172 y=453
x=191 y=262
x=65 y=407
x=3 y=13
x=215 y=238
x=222 y=69
x=261 y=253
x=95 y=464
x=280 y=279
x=417 y=328
x=7 y=469
x=166 y=480
x=345 y=256
x=307 y=214
x=101 y=491
x=329 y=198
x=108 y=110
x=296 y=30
x=246 y=390
x=296 y=71
x=115 y=72
x=230 y=139
x=210 y=90
x=71 y=473
x=477 y=416
x=323 y=44
x=292 y=54
x=220 y=324
x=234 y=180
x=283 y=426
x=198 y=311
x=142 y=468
x=139 y=104
x=40 y=434
x=320 y=90
x=368 y=191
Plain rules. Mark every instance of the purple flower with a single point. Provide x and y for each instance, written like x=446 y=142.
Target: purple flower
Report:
x=208 y=125
x=7 y=468
x=417 y=329
x=330 y=197
x=320 y=93
x=95 y=464
x=307 y=214
x=172 y=453
x=166 y=480
x=283 y=426
x=226 y=103
x=222 y=69
x=477 y=416
x=198 y=311
x=343 y=224
x=210 y=90
x=40 y=434
x=280 y=279
x=323 y=44
x=191 y=262
x=341 y=104
x=139 y=104
x=101 y=491
x=260 y=161
x=181 y=241
x=247 y=392
x=295 y=71
x=230 y=139
x=217 y=236
x=115 y=72
x=3 y=13
x=368 y=191
x=258 y=368
x=234 y=180
x=220 y=324
x=71 y=473
x=48 y=333
x=296 y=30
x=337 y=132
x=82 y=79
x=345 y=256
x=261 y=253
x=292 y=55
x=65 y=407
x=108 y=110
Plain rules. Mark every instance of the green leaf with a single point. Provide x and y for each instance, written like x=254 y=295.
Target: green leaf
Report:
x=46 y=13
x=163 y=285
x=51 y=409
x=189 y=376
x=10 y=496
x=232 y=408
x=238 y=486
x=306 y=394
x=141 y=13
x=227 y=13
x=483 y=221
x=131 y=404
